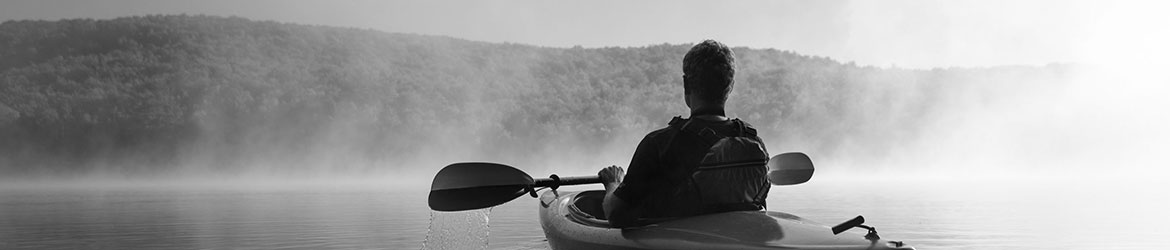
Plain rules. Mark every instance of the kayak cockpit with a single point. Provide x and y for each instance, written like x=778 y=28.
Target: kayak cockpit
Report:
x=586 y=209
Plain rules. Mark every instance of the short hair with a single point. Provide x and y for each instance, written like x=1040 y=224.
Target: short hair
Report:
x=709 y=68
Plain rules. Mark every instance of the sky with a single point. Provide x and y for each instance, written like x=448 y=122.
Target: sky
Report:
x=916 y=34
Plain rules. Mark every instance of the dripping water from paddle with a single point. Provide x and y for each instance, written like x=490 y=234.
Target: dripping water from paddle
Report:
x=458 y=230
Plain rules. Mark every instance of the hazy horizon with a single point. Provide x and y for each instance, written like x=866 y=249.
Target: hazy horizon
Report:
x=1111 y=117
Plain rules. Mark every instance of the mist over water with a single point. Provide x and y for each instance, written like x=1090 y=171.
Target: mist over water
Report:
x=1072 y=128
x=391 y=109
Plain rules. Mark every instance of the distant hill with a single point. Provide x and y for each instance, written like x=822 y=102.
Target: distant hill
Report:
x=152 y=94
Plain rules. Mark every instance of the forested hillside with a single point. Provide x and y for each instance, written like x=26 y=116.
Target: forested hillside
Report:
x=154 y=94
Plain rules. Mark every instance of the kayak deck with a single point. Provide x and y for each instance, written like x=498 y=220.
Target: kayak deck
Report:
x=573 y=220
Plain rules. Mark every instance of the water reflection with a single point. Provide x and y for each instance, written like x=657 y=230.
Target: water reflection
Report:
x=192 y=219
x=928 y=215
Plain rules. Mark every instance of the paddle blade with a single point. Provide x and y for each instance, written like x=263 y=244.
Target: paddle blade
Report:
x=475 y=185
x=789 y=169
x=472 y=198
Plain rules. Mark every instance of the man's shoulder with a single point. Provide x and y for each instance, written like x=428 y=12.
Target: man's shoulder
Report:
x=748 y=126
x=661 y=133
x=745 y=123
x=675 y=125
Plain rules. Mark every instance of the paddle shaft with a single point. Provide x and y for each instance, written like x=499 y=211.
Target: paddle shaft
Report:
x=565 y=181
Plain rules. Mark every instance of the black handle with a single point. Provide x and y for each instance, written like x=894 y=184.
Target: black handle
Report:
x=848 y=224
x=555 y=181
x=580 y=180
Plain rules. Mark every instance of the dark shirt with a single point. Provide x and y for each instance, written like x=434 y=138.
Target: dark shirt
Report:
x=656 y=179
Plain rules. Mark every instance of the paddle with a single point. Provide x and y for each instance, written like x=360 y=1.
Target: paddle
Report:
x=475 y=185
x=789 y=169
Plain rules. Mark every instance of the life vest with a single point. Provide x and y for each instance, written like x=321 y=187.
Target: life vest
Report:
x=732 y=173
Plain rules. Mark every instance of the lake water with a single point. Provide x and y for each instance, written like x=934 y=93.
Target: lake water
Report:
x=927 y=215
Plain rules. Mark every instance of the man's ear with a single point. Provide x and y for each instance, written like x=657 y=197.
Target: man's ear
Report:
x=686 y=82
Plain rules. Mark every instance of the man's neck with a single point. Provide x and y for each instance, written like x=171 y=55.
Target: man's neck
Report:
x=709 y=114
x=714 y=118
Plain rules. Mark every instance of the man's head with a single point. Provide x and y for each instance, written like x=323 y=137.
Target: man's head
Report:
x=708 y=74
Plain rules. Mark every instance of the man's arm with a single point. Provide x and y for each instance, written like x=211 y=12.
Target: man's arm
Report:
x=617 y=211
x=624 y=190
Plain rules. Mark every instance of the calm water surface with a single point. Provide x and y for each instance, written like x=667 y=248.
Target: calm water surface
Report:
x=928 y=215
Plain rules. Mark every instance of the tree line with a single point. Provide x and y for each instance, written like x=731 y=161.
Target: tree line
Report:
x=155 y=93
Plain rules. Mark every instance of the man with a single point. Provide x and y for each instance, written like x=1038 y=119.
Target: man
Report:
x=662 y=179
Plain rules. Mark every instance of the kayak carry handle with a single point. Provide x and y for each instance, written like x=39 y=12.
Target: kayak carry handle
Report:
x=856 y=222
x=848 y=224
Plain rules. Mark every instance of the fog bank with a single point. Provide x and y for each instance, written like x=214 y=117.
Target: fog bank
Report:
x=190 y=97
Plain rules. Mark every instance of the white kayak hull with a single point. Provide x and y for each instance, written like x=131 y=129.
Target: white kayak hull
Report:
x=569 y=227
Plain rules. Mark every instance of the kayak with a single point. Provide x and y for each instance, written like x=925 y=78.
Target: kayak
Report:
x=574 y=220
x=571 y=220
